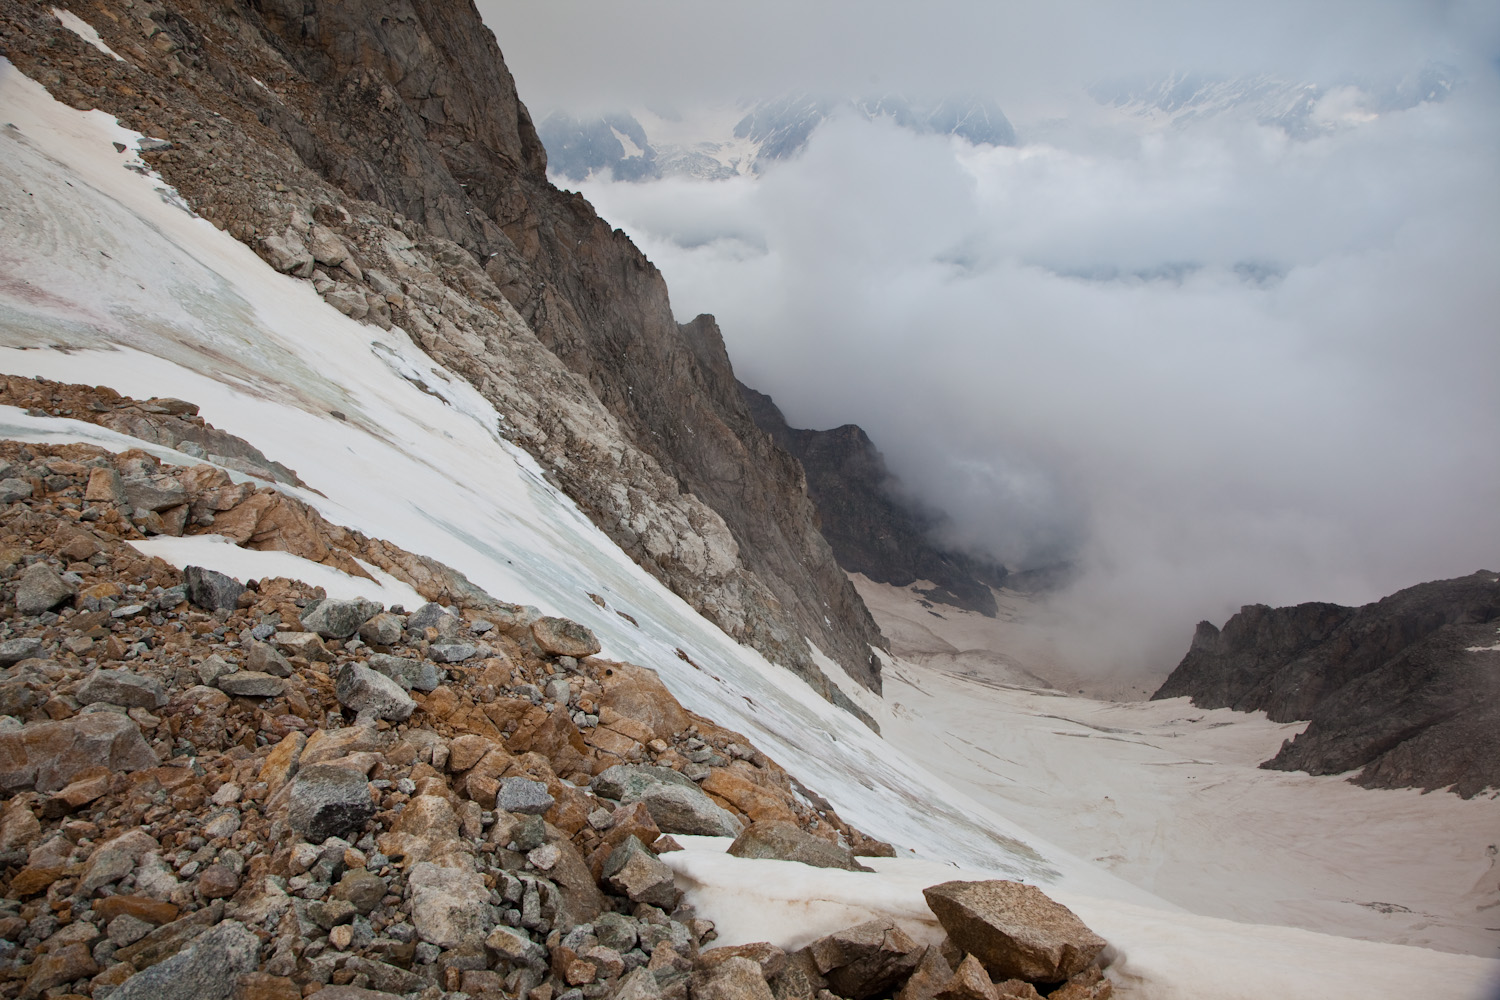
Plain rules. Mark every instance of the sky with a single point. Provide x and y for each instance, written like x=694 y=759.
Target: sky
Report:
x=1210 y=363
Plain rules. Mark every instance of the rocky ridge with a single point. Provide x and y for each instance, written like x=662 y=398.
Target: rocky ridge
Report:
x=383 y=156
x=221 y=788
x=1405 y=691
x=870 y=529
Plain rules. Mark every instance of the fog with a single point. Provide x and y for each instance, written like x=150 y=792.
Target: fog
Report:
x=1211 y=365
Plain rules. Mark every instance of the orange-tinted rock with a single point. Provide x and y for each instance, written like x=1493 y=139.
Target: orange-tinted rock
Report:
x=759 y=803
x=639 y=694
x=152 y=911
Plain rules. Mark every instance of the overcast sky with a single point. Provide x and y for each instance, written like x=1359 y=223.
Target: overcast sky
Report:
x=1214 y=365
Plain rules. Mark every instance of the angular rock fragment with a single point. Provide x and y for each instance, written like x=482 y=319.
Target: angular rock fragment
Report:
x=1014 y=929
x=634 y=871
x=366 y=692
x=264 y=658
x=13 y=651
x=205 y=970
x=865 y=960
x=121 y=687
x=251 y=684
x=675 y=803
x=328 y=801
x=448 y=906
x=41 y=589
x=48 y=755
x=564 y=637
x=333 y=619
x=211 y=590
x=412 y=675
x=787 y=842
x=523 y=795
x=734 y=978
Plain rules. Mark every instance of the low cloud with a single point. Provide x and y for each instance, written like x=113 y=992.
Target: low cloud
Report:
x=1212 y=365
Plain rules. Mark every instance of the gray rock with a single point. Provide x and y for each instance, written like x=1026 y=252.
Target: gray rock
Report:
x=366 y=692
x=12 y=490
x=304 y=644
x=154 y=493
x=339 y=619
x=252 y=684
x=126 y=929
x=170 y=597
x=634 y=871
x=361 y=888
x=13 y=651
x=675 y=803
x=564 y=637
x=453 y=652
x=448 y=906
x=1015 y=930
x=41 y=589
x=431 y=616
x=206 y=970
x=522 y=795
x=211 y=590
x=787 y=842
x=639 y=984
x=386 y=979
x=410 y=674
x=326 y=247
x=530 y=833
x=287 y=255
x=262 y=656
x=213 y=667
x=615 y=930
x=382 y=630
x=626 y=783
x=360 y=993
x=121 y=687
x=327 y=801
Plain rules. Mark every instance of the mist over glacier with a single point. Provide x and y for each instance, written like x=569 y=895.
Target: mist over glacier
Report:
x=1209 y=362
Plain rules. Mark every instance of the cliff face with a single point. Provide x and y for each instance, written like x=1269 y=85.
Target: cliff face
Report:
x=380 y=150
x=870 y=531
x=1407 y=688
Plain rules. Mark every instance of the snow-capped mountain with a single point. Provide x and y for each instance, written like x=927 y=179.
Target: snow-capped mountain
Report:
x=1302 y=109
x=717 y=143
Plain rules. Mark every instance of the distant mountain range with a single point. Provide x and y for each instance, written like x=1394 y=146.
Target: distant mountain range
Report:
x=721 y=142
x=1303 y=110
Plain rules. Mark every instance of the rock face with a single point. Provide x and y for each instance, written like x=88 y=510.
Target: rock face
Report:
x=1406 y=689
x=871 y=528
x=47 y=755
x=1014 y=930
x=392 y=165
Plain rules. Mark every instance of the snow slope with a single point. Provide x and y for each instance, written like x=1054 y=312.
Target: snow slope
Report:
x=105 y=278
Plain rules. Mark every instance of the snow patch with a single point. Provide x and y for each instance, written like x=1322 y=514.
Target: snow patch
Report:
x=218 y=553
x=85 y=31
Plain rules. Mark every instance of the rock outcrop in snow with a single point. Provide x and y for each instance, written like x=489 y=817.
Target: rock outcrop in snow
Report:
x=1406 y=690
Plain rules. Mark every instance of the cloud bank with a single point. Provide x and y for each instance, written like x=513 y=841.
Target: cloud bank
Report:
x=1212 y=364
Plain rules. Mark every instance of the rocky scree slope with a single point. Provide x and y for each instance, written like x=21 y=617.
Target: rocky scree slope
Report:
x=1405 y=690
x=219 y=788
x=870 y=530
x=380 y=151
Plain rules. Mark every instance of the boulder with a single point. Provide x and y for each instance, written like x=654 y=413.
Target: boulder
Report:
x=13 y=651
x=637 y=873
x=121 y=687
x=639 y=693
x=368 y=693
x=154 y=493
x=13 y=489
x=382 y=630
x=41 y=589
x=1015 y=930
x=328 y=801
x=452 y=652
x=523 y=795
x=205 y=970
x=868 y=959
x=251 y=684
x=675 y=803
x=734 y=978
x=339 y=619
x=448 y=906
x=412 y=675
x=788 y=842
x=564 y=637
x=931 y=975
x=264 y=658
x=210 y=590
x=48 y=755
